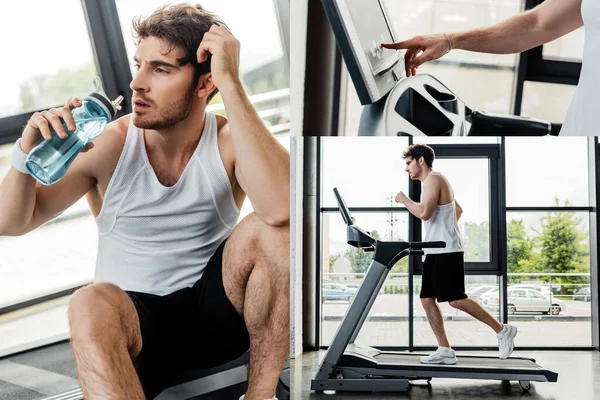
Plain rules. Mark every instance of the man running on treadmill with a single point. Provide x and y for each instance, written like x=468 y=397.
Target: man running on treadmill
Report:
x=179 y=284
x=443 y=270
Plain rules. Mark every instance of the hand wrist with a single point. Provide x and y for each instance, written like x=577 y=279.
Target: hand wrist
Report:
x=26 y=149
x=455 y=39
x=18 y=157
x=229 y=84
x=449 y=42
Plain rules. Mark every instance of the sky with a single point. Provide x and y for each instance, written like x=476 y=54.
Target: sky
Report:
x=55 y=36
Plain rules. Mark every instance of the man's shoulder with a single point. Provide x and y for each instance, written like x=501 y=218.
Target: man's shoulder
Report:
x=115 y=132
x=222 y=125
x=119 y=125
x=223 y=131
x=435 y=178
x=107 y=147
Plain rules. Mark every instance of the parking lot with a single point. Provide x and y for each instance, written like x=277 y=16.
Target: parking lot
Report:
x=396 y=305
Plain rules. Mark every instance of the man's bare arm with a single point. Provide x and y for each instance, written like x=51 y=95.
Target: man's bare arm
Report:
x=262 y=165
x=546 y=22
x=431 y=193
x=26 y=204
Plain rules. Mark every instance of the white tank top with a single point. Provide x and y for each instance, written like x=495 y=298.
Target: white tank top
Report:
x=583 y=117
x=157 y=239
x=442 y=226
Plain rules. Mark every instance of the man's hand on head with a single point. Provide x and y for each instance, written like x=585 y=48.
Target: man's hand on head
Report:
x=401 y=198
x=225 y=51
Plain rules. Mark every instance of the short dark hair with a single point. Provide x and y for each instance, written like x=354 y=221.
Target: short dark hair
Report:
x=417 y=151
x=180 y=25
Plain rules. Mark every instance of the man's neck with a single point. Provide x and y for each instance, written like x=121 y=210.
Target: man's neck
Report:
x=179 y=139
x=425 y=174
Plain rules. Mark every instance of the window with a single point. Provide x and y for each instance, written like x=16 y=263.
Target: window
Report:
x=462 y=329
x=548 y=243
x=550 y=251
x=548 y=247
x=60 y=255
x=474 y=200
x=343 y=270
x=39 y=76
x=535 y=102
x=566 y=48
x=367 y=172
x=456 y=140
x=558 y=61
x=544 y=171
x=535 y=295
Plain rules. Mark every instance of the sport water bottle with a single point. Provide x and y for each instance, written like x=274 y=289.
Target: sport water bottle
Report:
x=49 y=160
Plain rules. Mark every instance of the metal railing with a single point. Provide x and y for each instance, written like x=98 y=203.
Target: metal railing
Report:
x=554 y=283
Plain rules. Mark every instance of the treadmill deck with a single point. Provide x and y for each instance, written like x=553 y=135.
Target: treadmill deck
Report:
x=468 y=367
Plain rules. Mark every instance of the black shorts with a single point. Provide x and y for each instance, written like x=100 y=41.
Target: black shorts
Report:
x=444 y=277
x=195 y=327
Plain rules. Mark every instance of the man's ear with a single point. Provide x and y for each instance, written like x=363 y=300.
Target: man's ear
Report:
x=205 y=85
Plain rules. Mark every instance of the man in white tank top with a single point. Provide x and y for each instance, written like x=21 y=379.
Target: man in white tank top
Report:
x=178 y=284
x=443 y=269
x=544 y=23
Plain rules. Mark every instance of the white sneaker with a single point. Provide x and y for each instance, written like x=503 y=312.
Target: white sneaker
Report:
x=506 y=340
x=272 y=398
x=443 y=355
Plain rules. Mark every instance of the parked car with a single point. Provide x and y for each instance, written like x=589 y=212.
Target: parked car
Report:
x=525 y=300
x=337 y=291
x=355 y=286
x=475 y=292
x=583 y=293
x=543 y=289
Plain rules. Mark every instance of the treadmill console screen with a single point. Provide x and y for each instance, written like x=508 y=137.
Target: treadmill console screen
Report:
x=343 y=208
x=373 y=30
x=360 y=26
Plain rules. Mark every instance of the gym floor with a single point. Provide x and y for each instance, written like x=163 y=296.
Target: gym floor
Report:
x=44 y=373
x=578 y=379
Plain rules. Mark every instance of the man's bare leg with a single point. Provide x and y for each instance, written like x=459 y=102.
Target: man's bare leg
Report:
x=436 y=321
x=256 y=277
x=105 y=337
x=473 y=308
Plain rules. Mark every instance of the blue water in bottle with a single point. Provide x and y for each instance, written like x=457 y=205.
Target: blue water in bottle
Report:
x=48 y=162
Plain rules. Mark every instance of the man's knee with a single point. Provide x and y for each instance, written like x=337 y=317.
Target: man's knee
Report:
x=98 y=310
x=428 y=302
x=457 y=303
x=267 y=241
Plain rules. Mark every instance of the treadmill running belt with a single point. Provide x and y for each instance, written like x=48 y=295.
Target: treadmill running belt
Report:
x=463 y=361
